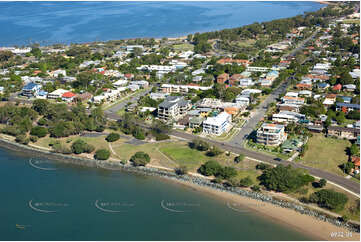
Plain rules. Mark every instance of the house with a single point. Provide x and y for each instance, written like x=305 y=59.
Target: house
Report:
x=248 y=92
x=68 y=96
x=31 y=89
x=271 y=134
x=288 y=107
x=293 y=100
x=346 y=107
x=304 y=86
x=341 y=132
x=217 y=125
x=158 y=95
x=287 y=117
x=142 y=84
x=195 y=122
x=172 y=108
x=222 y=78
x=345 y=99
x=305 y=93
x=231 y=61
x=57 y=94
x=337 y=87
x=356 y=161
x=120 y=83
x=1 y=90
x=350 y=87
x=86 y=96
x=293 y=144
x=234 y=79
x=246 y=82
x=322 y=85
x=242 y=100
x=330 y=99
x=172 y=88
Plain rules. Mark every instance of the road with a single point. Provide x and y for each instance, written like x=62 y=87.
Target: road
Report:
x=350 y=185
x=259 y=113
x=111 y=113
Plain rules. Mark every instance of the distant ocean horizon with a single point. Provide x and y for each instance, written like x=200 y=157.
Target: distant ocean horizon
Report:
x=24 y=23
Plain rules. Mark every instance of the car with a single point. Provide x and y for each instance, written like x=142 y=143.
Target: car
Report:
x=277 y=159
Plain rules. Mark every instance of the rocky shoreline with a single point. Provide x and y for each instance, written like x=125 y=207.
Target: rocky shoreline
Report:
x=184 y=178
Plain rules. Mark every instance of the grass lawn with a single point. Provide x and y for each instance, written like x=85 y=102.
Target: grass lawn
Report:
x=183 y=47
x=246 y=43
x=351 y=21
x=326 y=153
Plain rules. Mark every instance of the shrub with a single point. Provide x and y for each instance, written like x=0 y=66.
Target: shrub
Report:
x=22 y=139
x=34 y=139
x=262 y=166
x=42 y=121
x=140 y=158
x=182 y=170
x=246 y=182
x=138 y=134
x=239 y=158
x=199 y=145
x=39 y=131
x=102 y=154
x=227 y=172
x=214 y=151
x=112 y=137
x=322 y=183
x=256 y=188
x=329 y=199
x=161 y=136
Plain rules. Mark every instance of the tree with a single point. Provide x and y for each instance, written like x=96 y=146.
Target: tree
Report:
x=112 y=137
x=284 y=178
x=246 y=182
x=227 y=172
x=329 y=199
x=80 y=146
x=5 y=55
x=39 y=131
x=140 y=158
x=322 y=183
x=354 y=150
x=210 y=168
x=102 y=154
x=41 y=106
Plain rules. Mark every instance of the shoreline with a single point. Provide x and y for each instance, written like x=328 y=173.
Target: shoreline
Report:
x=295 y=216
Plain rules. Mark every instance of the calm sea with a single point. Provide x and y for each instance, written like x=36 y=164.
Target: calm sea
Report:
x=44 y=200
x=22 y=23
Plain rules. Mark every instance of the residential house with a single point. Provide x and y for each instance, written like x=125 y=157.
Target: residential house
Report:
x=246 y=82
x=222 y=78
x=1 y=90
x=293 y=100
x=346 y=107
x=342 y=132
x=287 y=117
x=330 y=99
x=304 y=86
x=337 y=87
x=158 y=95
x=217 y=125
x=242 y=100
x=271 y=134
x=350 y=87
x=68 y=96
x=31 y=89
x=234 y=79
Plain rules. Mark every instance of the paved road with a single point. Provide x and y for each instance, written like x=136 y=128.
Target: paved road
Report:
x=342 y=181
x=259 y=113
x=257 y=116
x=111 y=113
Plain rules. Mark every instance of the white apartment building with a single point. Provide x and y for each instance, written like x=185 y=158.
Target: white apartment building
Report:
x=58 y=93
x=271 y=134
x=172 y=88
x=217 y=125
x=172 y=108
x=287 y=117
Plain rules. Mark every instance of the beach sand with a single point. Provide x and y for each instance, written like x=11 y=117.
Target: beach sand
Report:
x=317 y=229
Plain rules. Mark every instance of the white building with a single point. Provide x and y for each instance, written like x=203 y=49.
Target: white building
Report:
x=287 y=117
x=58 y=93
x=217 y=125
x=271 y=134
x=242 y=100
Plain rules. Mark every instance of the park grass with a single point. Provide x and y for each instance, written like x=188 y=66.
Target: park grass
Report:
x=246 y=43
x=183 y=47
x=326 y=153
x=351 y=21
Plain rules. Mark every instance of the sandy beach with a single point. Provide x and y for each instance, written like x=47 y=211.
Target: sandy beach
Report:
x=317 y=229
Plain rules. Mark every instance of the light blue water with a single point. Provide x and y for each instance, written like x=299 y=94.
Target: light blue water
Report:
x=71 y=191
x=22 y=23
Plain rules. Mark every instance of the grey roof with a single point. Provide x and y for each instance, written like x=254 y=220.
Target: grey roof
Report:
x=173 y=100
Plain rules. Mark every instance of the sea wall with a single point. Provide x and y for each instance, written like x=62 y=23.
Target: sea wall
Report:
x=184 y=178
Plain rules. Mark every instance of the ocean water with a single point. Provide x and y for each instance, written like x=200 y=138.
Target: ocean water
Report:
x=23 y=23
x=43 y=200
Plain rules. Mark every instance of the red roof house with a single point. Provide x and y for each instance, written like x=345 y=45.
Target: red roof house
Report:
x=337 y=87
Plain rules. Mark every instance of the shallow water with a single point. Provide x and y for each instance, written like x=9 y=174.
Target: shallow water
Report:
x=77 y=203
x=64 y=22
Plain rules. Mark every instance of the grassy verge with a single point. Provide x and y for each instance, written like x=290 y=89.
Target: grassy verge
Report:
x=326 y=153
